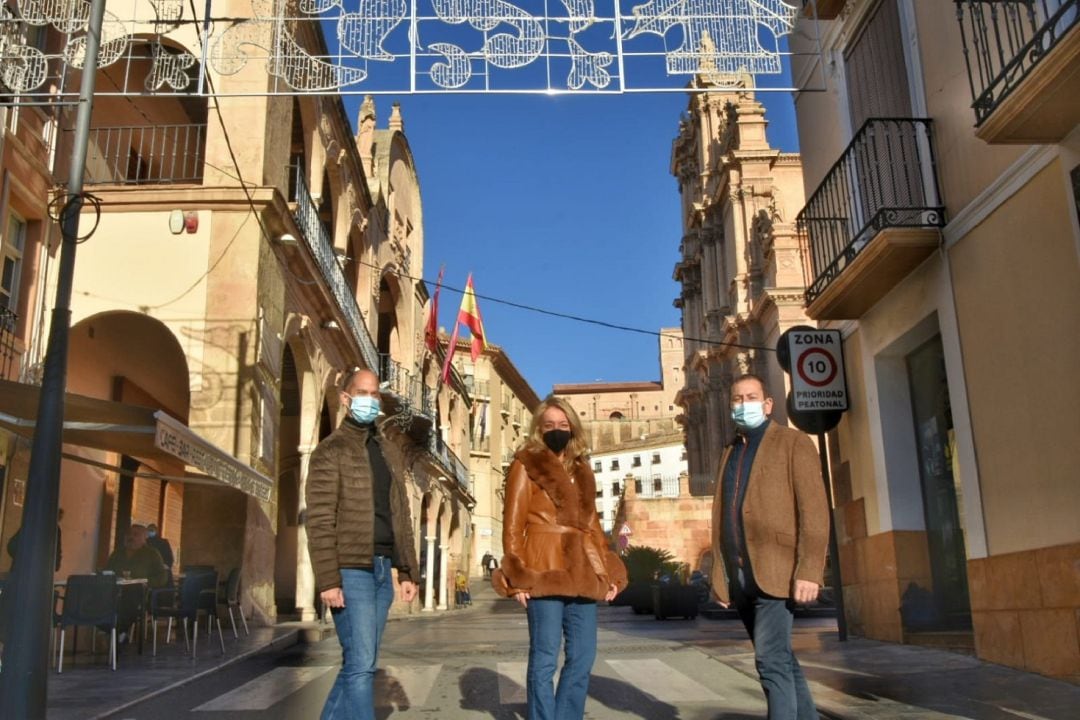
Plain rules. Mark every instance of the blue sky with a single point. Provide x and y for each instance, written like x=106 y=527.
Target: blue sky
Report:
x=564 y=203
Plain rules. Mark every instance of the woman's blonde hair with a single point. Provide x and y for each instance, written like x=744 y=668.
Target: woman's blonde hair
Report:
x=578 y=446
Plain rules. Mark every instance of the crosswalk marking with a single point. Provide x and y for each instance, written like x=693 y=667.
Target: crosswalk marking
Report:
x=405 y=685
x=512 y=682
x=662 y=681
x=410 y=686
x=266 y=690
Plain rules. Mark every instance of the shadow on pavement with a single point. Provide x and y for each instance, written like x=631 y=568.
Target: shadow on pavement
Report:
x=624 y=697
x=475 y=685
x=391 y=696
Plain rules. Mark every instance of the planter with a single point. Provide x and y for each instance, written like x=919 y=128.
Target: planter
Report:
x=638 y=596
x=674 y=601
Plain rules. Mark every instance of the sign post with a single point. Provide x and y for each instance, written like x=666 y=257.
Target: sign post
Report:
x=815 y=360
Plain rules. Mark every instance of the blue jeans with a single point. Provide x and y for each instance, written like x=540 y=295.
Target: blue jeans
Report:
x=359 y=625
x=768 y=620
x=551 y=619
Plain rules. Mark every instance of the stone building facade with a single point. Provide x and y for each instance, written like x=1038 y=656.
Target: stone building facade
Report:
x=943 y=174
x=672 y=520
x=226 y=291
x=653 y=464
x=740 y=262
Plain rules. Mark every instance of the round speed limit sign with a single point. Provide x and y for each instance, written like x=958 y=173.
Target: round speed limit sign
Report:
x=816 y=367
x=817 y=370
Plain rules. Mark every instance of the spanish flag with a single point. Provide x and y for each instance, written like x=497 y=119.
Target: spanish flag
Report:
x=469 y=316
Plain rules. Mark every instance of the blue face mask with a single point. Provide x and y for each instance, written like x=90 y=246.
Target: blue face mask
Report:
x=364 y=409
x=749 y=415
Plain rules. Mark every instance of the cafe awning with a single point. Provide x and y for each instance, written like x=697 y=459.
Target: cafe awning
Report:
x=139 y=432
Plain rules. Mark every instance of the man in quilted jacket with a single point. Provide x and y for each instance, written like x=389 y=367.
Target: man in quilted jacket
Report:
x=359 y=528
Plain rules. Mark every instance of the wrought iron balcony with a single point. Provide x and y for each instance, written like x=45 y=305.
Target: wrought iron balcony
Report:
x=143 y=155
x=318 y=242
x=8 y=351
x=450 y=462
x=1022 y=60
x=873 y=219
x=405 y=398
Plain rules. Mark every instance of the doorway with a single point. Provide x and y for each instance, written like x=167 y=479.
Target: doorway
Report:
x=935 y=440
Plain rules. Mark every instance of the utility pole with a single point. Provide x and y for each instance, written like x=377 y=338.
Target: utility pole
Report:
x=30 y=586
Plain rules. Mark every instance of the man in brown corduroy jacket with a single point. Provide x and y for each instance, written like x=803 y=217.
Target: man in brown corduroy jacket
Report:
x=359 y=527
x=770 y=530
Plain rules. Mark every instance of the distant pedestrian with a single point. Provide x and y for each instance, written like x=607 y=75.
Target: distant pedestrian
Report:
x=770 y=532
x=462 y=596
x=359 y=527
x=563 y=567
x=492 y=565
x=485 y=562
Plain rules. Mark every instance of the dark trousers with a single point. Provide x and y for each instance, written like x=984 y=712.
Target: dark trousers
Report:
x=768 y=620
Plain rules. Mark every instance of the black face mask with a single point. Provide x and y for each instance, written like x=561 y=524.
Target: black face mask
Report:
x=557 y=440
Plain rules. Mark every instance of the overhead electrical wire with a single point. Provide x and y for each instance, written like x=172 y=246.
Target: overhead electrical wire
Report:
x=569 y=316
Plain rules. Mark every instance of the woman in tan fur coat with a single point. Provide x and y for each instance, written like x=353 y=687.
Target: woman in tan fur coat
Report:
x=556 y=563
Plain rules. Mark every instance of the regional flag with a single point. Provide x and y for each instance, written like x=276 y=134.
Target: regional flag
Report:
x=431 y=331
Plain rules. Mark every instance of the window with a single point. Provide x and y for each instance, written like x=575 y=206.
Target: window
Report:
x=656 y=458
x=11 y=248
x=599 y=492
x=636 y=461
x=657 y=484
x=615 y=464
x=597 y=467
x=877 y=80
x=615 y=489
x=683 y=456
x=637 y=485
x=670 y=408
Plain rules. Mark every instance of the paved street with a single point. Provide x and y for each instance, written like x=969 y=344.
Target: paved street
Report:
x=471 y=664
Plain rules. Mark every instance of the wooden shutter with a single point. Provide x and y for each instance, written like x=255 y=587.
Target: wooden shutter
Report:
x=877 y=79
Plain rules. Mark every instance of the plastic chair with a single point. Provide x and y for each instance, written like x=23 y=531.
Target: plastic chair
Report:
x=90 y=600
x=197 y=593
x=232 y=600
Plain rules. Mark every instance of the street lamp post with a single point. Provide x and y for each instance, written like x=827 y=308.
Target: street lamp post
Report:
x=29 y=589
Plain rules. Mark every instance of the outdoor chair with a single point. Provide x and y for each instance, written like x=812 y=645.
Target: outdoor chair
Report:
x=90 y=600
x=197 y=593
x=232 y=600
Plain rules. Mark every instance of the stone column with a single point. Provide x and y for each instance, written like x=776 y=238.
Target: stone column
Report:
x=305 y=575
x=429 y=588
x=444 y=567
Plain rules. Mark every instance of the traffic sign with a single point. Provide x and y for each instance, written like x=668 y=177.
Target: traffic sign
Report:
x=817 y=370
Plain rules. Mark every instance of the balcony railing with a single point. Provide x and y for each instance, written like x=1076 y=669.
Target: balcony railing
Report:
x=8 y=352
x=1004 y=40
x=886 y=178
x=318 y=242
x=449 y=460
x=144 y=155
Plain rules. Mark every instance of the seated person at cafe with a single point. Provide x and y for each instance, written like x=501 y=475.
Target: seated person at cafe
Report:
x=160 y=544
x=135 y=559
